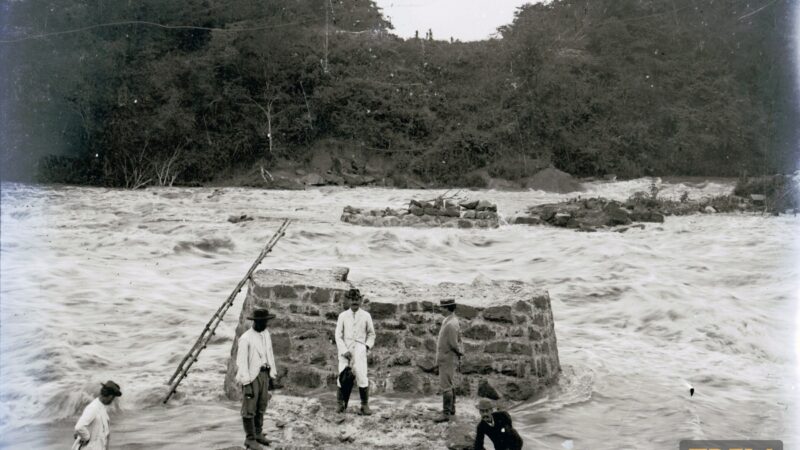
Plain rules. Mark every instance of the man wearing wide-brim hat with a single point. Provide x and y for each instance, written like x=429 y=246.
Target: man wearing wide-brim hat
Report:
x=355 y=336
x=448 y=355
x=92 y=431
x=497 y=425
x=255 y=366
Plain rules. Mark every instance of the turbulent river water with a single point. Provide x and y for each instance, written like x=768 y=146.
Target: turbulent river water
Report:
x=100 y=284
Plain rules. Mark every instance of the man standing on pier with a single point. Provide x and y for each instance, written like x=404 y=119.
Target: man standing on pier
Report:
x=448 y=357
x=256 y=365
x=92 y=430
x=355 y=336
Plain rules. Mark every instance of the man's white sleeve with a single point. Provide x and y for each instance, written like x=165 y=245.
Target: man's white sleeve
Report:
x=242 y=362
x=82 y=427
x=370 y=332
x=341 y=346
x=273 y=371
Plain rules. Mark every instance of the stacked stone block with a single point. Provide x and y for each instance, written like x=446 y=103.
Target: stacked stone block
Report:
x=507 y=333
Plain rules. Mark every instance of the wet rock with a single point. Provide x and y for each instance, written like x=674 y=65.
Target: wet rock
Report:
x=518 y=390
x=561 y=219
x=709 y=210
x=647 y=216
x=485 y=205
x=460 y=435
x=469 y=214
x=464 y=223
x=239 y=218
x=485 y=389
x=452 y=212
x=525 y=220
x=469 y=204
x=616 y=215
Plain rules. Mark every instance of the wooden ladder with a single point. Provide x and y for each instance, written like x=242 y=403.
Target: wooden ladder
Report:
x=216 y=319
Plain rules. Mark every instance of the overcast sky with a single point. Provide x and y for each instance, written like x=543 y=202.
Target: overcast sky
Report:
x=467 y=20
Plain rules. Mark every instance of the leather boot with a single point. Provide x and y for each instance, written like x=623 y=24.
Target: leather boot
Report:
x=446 y=401
x=364 y=394
x=258 y=420
x=250 y=434
x=341 y=406
x=453 y=403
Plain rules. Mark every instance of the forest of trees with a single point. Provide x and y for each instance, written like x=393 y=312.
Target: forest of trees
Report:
x=208 y=88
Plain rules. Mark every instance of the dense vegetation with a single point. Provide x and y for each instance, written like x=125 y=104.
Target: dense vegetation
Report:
x=631 y=87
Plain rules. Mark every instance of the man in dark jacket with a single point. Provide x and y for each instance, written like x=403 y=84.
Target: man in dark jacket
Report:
x=496 y=425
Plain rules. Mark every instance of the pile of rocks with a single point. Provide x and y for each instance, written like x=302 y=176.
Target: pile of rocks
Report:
x=589 y=214
x=435 y=213
x=507 y=330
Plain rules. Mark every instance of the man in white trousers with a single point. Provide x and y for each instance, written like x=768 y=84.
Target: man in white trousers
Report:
x=355 y=336
x=92 y=431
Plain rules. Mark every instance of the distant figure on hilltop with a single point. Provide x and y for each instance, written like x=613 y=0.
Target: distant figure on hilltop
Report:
x=448 y=358
x=497 y=425
x=92 y=431
x=256 y=366
x=355 y=336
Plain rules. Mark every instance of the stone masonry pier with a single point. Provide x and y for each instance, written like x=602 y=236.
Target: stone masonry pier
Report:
x=425 y=214
x=507 y=331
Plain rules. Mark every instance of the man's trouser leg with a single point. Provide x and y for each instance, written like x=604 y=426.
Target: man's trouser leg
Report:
x=261 y=407
x=249 y=412
x=364 y=394
x=446 y=372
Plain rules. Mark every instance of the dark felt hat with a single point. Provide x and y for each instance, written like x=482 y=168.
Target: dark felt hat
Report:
x=112 y=388
x=261 y=314
x=353 y=293
x=447 y=302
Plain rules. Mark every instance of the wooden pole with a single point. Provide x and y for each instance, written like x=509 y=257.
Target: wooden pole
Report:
x=216 y=319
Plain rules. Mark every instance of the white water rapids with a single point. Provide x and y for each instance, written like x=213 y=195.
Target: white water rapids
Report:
x=100 y=284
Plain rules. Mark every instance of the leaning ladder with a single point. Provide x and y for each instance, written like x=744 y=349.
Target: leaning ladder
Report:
x=216 y=319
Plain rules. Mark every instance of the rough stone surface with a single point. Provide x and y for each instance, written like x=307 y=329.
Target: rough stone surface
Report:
x=438 y=213
x=507 y=332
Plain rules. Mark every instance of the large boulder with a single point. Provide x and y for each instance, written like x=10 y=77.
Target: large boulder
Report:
x=553 y=180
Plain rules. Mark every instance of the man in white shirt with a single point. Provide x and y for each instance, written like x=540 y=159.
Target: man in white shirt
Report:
x=355 y=336
x=256 y=365
x=92 y=431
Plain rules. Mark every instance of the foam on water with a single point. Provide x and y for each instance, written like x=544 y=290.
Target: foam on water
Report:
x=98 y=283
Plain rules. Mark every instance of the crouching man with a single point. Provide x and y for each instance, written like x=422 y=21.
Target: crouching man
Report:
x=355 y=335
x=497 y=425
x=256 y=365
x=92 y=431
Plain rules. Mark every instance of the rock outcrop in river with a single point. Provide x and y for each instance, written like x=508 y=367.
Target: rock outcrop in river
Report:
x=424 y=214
x=507 y=330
